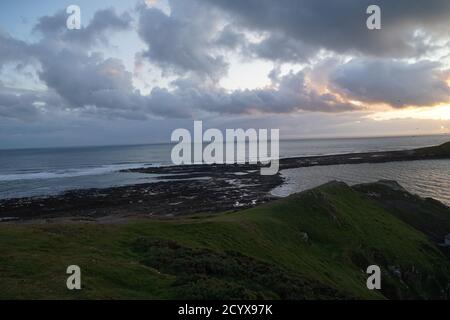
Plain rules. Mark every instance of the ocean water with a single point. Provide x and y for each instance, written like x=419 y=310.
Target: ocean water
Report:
x=428 y=178
x=42 y=172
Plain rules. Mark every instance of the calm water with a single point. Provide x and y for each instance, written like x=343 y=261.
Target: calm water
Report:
x=40 y=172
x=430 y=178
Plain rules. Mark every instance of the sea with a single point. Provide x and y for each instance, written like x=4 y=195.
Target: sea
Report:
x=45 y=172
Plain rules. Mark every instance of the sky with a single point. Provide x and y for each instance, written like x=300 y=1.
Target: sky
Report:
x=137 y=70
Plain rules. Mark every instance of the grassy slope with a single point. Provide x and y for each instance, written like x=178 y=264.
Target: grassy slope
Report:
x=441 y=150
x=316 y=244
x=427 y=215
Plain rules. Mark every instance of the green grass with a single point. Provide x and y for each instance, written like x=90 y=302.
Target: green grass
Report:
x=427 y=215
x=441 y=150
x=313 y=245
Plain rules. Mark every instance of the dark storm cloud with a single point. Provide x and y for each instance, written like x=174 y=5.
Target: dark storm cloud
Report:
x=396 y=83
x=340 y=26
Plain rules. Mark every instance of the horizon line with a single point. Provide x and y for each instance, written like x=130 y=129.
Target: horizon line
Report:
x=281 y=139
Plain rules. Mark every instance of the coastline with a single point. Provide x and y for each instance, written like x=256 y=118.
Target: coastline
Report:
x=187 y=190
x=213 y=192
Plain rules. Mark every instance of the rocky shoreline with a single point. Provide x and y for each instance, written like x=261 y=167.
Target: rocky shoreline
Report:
x=429 y=153
x=183 y=194
x=186 y=190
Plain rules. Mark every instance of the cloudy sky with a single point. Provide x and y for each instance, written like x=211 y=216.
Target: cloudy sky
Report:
x=136 y=70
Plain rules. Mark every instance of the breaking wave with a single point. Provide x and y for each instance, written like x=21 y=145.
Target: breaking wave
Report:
x=71 y=173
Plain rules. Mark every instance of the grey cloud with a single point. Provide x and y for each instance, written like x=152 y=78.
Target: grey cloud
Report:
x=17 y=106
x=278 y=47
x=13 y=50
x=92 y=85
x=396 y=83
x=275 y=47
x=229 y=38
x=24 y=104
x=106 y=20
x=103 y=21
x=53 y=24
x=340 y=26
x=78 y=81
x=290 y=95
x=78 y=78
x=182 y=41
x=189 y=42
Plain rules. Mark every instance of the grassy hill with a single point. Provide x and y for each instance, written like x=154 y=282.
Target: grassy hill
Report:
x=427 y=215
x=441 y=150
x=312 y=245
